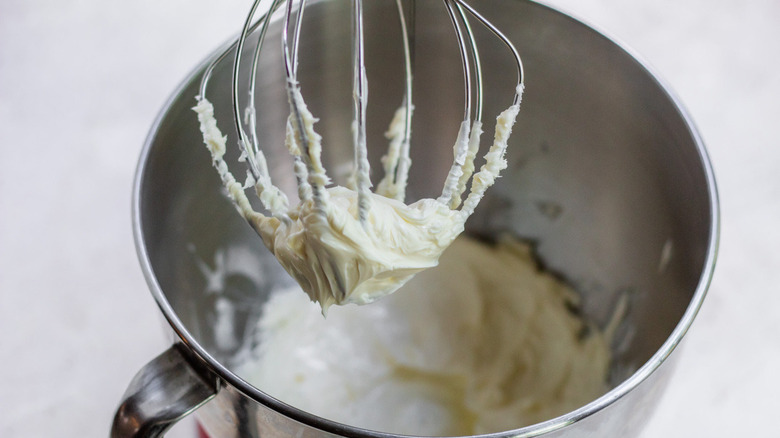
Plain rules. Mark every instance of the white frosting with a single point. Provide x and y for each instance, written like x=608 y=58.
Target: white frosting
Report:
x=346 y=246
x=484 y=342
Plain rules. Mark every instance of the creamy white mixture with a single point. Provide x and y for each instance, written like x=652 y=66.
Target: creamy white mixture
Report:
x=335 y=255
x=484 y=342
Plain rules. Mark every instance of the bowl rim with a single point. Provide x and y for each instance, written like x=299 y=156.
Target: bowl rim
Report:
x=587 y=410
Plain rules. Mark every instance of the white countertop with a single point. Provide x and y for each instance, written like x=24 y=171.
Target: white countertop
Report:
x=81 y=82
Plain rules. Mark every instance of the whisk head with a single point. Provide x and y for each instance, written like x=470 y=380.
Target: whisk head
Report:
x=354 y=244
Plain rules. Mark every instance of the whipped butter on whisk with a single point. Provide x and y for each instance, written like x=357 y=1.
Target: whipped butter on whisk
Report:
x=351 y=244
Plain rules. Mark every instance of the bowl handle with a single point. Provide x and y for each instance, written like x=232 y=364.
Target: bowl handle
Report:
x=166 y=390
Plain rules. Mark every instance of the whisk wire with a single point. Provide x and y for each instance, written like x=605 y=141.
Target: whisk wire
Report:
x=257 y=167
x=307 y=141
x=492 y=28
x=476 y=62
x=360 y=92
x=297 y=35
x=467 y=142
x=461 y=147
x=464 y=56
x=243 y=139
x=397 y=161
x=250 y=113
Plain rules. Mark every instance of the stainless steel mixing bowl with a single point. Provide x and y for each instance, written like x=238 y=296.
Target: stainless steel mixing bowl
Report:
x=607 y=176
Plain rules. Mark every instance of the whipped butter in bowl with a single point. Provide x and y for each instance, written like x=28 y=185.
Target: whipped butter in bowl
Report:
x=484 y=342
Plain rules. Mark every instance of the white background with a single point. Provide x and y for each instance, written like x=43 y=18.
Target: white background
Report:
x=81 y=82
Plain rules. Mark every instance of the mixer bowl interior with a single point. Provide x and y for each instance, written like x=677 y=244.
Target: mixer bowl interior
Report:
x=606 y=176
